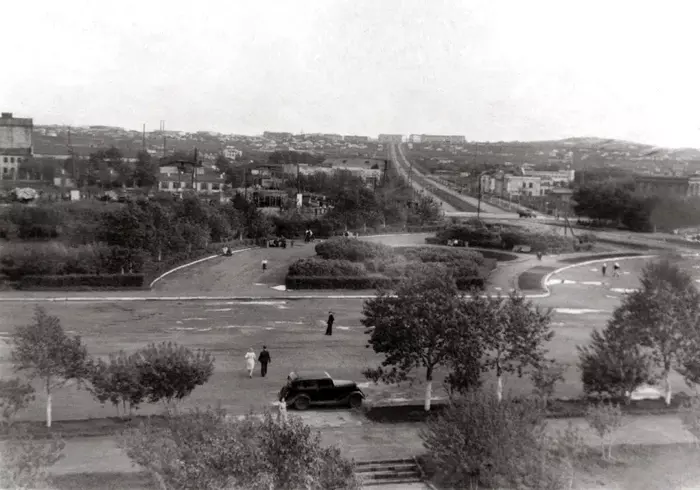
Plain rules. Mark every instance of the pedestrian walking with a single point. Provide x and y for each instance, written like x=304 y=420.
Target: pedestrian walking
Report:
x=616 y=270
x=331 y=319
x=250 y=362
x=539 y=255
x=264 y=265
x=604 y=268
x=264 y=359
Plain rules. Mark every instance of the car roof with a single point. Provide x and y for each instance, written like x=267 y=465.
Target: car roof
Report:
x=297 y=375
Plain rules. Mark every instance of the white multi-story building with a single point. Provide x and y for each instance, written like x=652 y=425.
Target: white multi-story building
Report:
x=15 y=144
x=232 y=153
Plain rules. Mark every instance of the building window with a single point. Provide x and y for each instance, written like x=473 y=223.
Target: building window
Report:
x=4 y=170
x=12 y=159
x=163 y=185
x=4 y=159
x=19 y=160
x=176 y=185
x=215 y=187
x=530 y=185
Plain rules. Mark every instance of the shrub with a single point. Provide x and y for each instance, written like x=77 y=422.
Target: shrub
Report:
x=539 y=242
x=336 y=282
x=475 y=237
x=208 y=451
x=24 y=460
x=82 y=281
x=690 y=418
x=118 y=382
x=605 y=419
x=169 y=372
x=351 y=249
x=614 y=364
x=440 y=254
x=318 y=267
x=478 y=441
x=15 y=395
x=545 y=377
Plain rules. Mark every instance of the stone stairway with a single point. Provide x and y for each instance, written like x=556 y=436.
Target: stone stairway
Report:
x=388 y=472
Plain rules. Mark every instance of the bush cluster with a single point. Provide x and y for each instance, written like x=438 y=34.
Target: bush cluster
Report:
x=508 y=238
x=82 y=281
x=339 y=282
x=315 y=267
x=352 y=249
x=347 y=263
x=55 y=259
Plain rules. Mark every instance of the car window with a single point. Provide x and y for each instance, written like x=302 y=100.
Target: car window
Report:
x=308 y=385
x=325 y=383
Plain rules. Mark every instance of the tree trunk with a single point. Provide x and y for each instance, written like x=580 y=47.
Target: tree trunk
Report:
x=667 y=386
x=428 y=388
x=48 y=406
x=428 y=394
x=499 y=388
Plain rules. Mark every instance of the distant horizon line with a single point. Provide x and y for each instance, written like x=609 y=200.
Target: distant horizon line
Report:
x=403 y=135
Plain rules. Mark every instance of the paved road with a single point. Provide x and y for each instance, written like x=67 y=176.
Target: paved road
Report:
x=485 y=207
x=402 y=167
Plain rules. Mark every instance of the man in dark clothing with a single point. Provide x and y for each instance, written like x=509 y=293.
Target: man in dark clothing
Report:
x=331 y=319
x=264 y=360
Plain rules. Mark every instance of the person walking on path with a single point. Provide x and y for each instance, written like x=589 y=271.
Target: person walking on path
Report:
x=616 y=270
x=331 y=319
x=264 y=265
x=250 y=362
x=264 y=359
x=604 y=268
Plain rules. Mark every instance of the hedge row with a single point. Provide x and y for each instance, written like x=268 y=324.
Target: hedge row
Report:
x=317 y=267
x=82 y=281
x=339 y=282
x=367 y=282
x=510 y=237
x=435 y=254
x=351 y=249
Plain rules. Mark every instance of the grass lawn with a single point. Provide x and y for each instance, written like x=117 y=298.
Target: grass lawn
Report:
x=293 y=331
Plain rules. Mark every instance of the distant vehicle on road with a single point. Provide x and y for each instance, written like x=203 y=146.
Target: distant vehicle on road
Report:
x=308 y=388
x=526 y=213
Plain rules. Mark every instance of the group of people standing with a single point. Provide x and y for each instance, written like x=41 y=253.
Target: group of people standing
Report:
x=264 y=357
x=616 y=269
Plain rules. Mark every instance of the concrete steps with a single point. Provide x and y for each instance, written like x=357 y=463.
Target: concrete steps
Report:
x=388 y=472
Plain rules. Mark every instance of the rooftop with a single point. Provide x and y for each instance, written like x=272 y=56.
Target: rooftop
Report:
x=295 y=375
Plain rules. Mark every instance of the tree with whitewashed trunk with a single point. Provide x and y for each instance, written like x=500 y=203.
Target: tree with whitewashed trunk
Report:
x=512 y=333
x=415 y=328
x=44 y=351
x=663 y=316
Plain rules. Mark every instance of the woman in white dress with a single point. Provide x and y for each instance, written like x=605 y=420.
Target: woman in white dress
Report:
x=250 y=361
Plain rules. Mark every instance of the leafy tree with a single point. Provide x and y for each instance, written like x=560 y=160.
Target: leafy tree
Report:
x=206 y=450
x=222 y=164
x=44 y=351
x=169 y=372
x=512 y=333
x=663 y=316
x=415 y=328
x=545 y=377
x=146 y=170
x=124 y=227
x=605 y=419
x=118 y=382
x=614 y=363
x=481 y=441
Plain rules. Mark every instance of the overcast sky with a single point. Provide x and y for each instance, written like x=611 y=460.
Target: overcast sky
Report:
x=492 y=70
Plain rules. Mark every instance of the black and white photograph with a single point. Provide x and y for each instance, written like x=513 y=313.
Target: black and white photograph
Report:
x=350 y=244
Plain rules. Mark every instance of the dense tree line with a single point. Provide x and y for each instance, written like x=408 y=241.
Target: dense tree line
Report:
x=618 y=204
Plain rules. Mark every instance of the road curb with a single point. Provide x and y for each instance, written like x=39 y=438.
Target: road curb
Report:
x=191 y=263
x=546 y=277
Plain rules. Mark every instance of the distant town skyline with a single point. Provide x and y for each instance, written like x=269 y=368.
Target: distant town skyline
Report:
x=499 y=70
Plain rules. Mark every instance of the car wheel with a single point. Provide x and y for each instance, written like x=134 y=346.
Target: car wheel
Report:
x=355 y=400
x=302 y=403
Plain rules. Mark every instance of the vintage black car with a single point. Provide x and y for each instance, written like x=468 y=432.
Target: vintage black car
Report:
x=526 y=213
x=307 y=388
